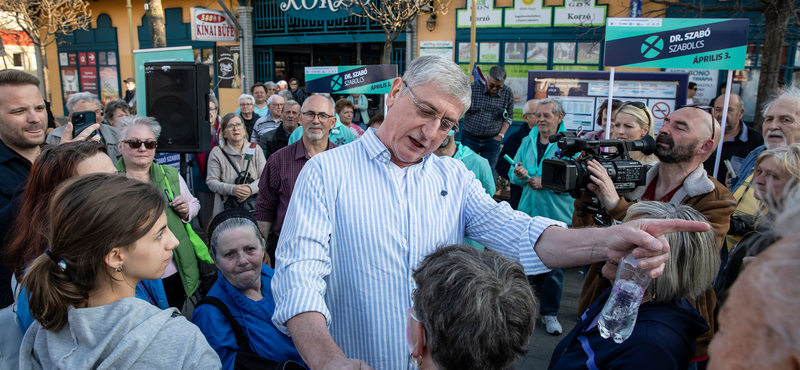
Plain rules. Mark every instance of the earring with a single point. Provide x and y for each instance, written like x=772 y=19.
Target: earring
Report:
x=119 y=269
x=416 y=361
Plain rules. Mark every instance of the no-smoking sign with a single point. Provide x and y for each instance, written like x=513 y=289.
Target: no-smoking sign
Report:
x=661 y=110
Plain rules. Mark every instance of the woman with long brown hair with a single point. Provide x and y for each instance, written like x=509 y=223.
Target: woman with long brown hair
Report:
x=107 y=234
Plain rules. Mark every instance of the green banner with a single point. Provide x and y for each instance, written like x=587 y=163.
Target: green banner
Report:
x=375 y=79
x=676 y=43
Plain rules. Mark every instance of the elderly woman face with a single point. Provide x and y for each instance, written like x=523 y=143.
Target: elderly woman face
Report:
x=770 y=180
x=138 y=156
x=239 y=256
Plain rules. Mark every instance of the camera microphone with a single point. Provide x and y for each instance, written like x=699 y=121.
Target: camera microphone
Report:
x=646 y=145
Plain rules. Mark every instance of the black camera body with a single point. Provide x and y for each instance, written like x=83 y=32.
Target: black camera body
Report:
x=566 y=175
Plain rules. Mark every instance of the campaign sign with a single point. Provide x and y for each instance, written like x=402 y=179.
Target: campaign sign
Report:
x=676 y=42
x=376 y=79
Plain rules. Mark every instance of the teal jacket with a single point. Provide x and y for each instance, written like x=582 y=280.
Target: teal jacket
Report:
x=339 y=135
x=541 y=202
x=478 y=165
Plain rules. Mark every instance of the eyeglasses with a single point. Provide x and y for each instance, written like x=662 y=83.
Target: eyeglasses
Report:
x=245 y=104
x=235 y=126
x=136 y=144
x=98 y=113
x=641 y=106
x=293 y=84
x=430 y=115
x=309 y=115
x=693 y=88
x=493 y=86
x=212 y=109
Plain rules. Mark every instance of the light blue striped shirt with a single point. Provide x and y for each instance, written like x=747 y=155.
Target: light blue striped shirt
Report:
x=351 y=240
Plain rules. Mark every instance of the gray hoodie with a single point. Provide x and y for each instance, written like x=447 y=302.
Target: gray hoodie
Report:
x=127 y=334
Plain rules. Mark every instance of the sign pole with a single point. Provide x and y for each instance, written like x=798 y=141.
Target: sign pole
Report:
x=610 y=105
x=722 y=124
x=472 y=46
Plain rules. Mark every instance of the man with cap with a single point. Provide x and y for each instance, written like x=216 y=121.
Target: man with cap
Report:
x=130 y=94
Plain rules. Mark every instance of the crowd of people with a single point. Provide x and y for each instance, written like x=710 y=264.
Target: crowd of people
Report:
x=337 y=240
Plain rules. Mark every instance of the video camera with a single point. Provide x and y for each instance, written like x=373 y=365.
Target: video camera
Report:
x=565 y=175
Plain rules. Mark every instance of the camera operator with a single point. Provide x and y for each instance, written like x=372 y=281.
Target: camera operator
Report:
x=687 y=138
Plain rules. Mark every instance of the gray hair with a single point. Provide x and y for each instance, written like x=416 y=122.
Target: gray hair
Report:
x=285 y=94
x=774 y=280
x=328 y=98
x=558 y=108
x=112 y=106
x=213 y=99
x=270 y=84
x=789 y=90
x=477 y=308
x=441 y=72
x=128 y=122
x=244 y=97
x=527 y=107
x=694 y=256
x=272 y=98
x=77 y=98
x=232 y=223
x=290 y=102
x=498 y=73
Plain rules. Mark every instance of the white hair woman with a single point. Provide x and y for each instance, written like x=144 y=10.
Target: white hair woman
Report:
x=243 y=287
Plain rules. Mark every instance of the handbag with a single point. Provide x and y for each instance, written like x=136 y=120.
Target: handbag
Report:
x=200 y=248
x=242 y=178
x=246 y=359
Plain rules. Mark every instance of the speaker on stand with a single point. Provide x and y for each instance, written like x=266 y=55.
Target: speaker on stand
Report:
x=177 y=97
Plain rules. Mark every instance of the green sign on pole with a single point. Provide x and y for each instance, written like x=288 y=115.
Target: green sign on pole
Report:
x=676 y=43
x=376 y=79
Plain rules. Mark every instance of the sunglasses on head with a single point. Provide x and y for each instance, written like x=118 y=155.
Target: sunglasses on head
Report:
x=136 y=144
x=710 y=110
x=638 y=105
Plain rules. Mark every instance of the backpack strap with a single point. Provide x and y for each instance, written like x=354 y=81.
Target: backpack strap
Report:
x=229 y=160
x=241 y=338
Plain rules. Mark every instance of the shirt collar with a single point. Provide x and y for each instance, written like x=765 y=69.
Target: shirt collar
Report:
x=742 y=133
x=376 y=149
x=7 y=154
x=301 y=152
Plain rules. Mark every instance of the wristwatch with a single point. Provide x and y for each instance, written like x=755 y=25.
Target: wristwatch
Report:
x=502 y=135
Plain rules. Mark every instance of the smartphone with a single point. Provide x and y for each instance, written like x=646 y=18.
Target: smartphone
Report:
x=82 y=120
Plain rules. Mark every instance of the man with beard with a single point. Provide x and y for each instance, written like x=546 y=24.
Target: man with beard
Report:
x=23 y=120
x=687 y=138
x=781 y=127
x=283 y=167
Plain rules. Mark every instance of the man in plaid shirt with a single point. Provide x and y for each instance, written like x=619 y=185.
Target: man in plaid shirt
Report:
x=489 y=116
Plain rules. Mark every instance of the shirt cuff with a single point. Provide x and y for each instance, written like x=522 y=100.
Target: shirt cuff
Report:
x=527 y=254
x=295 y=302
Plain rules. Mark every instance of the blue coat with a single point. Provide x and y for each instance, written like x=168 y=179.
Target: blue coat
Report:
x=255 y=318
x=540 y=202
x=664 y=338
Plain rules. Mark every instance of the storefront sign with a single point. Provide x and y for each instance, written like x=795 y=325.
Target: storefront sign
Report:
x=212 y=25
x=91 y=58
x=580 y=13
x=677 y=42
x=443 y=48
x=528 y=13
x=485 y=15
x=375 y=79
x=706 y=80
x=229 y=67
x=73 y=60
x=319 y=10
x=63 y=60
x=89 y=80
x=69 y=81
x=108 y=83
x=82 y=59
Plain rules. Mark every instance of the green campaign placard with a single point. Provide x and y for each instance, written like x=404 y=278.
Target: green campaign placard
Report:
x=375 y=79
x=676 y=43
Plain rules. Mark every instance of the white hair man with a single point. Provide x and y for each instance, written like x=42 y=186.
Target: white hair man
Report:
x=338 y=231
x=106 y=134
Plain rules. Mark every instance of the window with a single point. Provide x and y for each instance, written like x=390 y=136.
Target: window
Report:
x=17 y=60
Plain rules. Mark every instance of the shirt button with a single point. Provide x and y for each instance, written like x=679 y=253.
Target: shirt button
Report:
x=404 y=242
x=400 y=201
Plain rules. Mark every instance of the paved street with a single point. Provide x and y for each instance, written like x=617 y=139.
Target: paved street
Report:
x=541 y=345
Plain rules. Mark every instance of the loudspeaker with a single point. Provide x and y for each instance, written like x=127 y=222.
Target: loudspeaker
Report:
x=177 y=97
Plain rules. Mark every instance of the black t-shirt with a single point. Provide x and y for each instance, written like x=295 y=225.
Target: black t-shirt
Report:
x=540 y=149
x=250 y=123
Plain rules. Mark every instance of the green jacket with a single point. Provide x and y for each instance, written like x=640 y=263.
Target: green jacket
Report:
x=185 y=259
x=339 y=135
x=478 y=165
x=541 y=202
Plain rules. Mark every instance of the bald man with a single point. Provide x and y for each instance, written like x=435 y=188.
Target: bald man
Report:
x=739 y=139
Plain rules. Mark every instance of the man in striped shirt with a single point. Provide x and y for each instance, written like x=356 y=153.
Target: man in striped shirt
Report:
x=347 y=252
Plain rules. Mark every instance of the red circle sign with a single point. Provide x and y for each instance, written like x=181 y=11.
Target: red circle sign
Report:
x=661 y=110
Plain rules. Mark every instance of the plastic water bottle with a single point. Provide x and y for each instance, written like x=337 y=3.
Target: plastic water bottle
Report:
x=619 y=314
